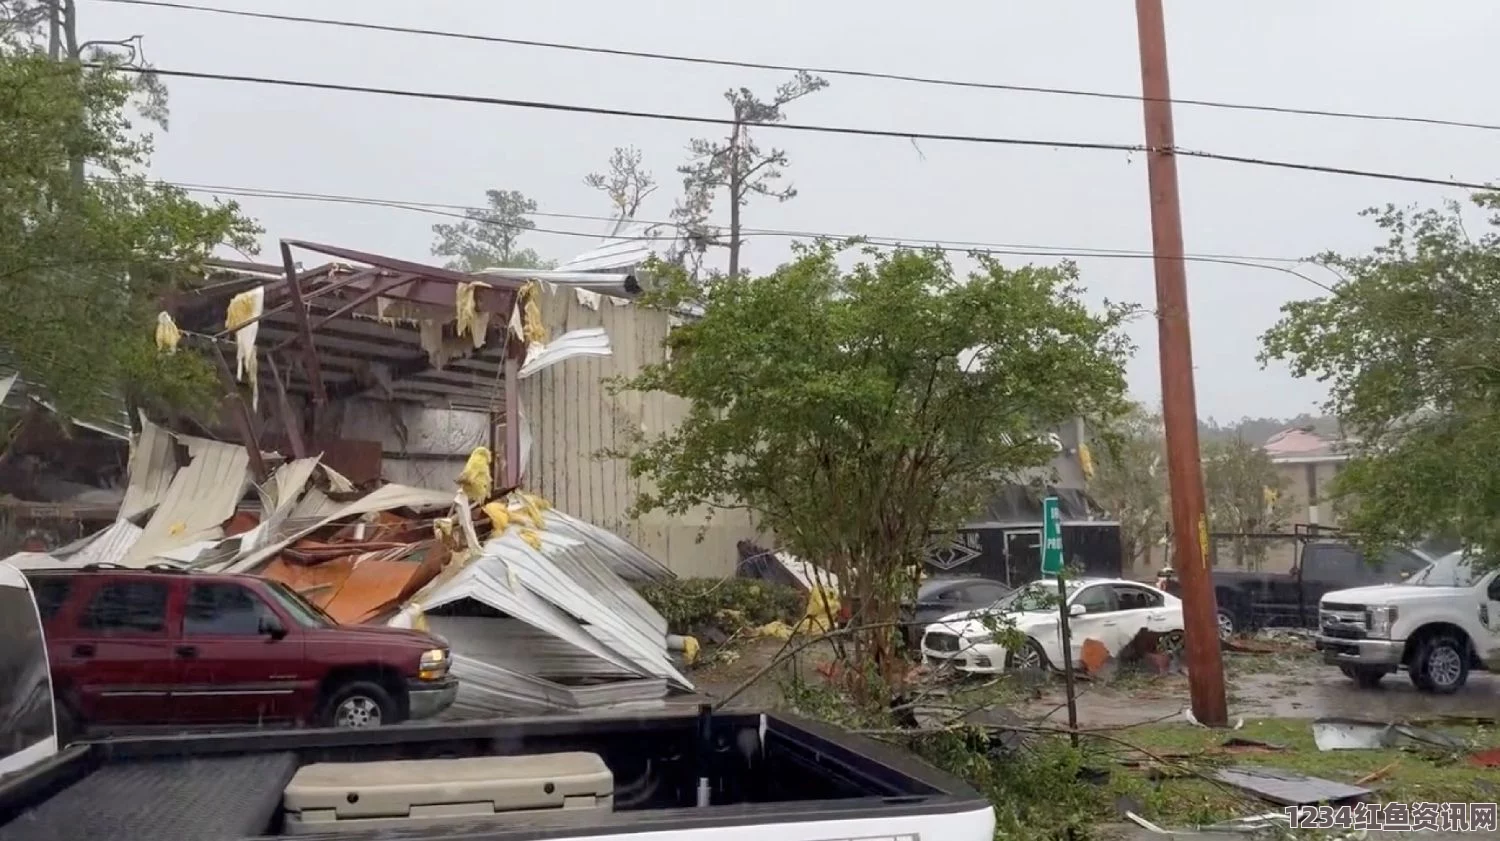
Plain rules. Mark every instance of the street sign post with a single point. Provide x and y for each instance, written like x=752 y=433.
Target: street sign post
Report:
x=1052 y=549
x=1052 y=564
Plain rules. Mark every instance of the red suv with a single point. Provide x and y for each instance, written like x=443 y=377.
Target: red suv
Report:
x=132 y=648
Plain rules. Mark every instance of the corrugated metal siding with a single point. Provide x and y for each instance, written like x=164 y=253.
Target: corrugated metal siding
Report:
x=201 y=497
x=153 y=463
x=574 y=417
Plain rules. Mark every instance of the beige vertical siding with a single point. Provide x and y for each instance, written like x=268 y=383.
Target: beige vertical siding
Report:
x=1296 y=491
x=574 y=417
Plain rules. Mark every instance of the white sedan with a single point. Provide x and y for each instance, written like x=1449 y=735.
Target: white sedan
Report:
x=1110 y=610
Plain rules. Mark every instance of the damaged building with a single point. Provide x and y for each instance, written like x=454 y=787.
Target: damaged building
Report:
x=381 y=418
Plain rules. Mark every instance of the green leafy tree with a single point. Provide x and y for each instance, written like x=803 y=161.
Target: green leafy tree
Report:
x=1243 y=494
x=490 y=237
x=1130 y=481
x=1408 y=347
x=739 y=166
x=84 y=263
x=858 y=412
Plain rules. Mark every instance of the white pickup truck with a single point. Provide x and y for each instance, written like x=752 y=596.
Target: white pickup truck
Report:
x=664 y=777
x=1439 y=625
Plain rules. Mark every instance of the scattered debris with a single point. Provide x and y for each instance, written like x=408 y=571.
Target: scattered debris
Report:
x=1486 y=758
x=1288 y=788
x=1187 y=715
x=1247 y=824
x=1145 y=824
x=1357 y=734
x=1250 y=823
x=1377 y=774
x=536 y=605
x=1240 y=744
x=1095 y=656
x=783 y=568
x=1350 y=734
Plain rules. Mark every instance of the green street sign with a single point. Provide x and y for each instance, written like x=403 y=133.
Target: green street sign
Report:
x=1052 y=547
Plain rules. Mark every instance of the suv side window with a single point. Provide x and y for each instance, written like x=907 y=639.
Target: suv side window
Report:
x=51 y=593
x=129 y=606
x=222 y=610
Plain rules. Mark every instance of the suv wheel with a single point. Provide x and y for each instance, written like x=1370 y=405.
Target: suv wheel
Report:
x=1441 y=665
x=1226 y=624
x=360 y=704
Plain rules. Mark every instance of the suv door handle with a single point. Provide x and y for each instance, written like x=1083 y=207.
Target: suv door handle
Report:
x=83 y=650
x=187 y=651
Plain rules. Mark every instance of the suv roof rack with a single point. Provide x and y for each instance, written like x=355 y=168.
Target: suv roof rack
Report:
x=111 y=567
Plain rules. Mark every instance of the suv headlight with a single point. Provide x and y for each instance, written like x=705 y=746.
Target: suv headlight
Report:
x=1380 y=619
x=433 y=665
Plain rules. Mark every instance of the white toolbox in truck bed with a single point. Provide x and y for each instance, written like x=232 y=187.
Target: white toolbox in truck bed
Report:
x=376 y=795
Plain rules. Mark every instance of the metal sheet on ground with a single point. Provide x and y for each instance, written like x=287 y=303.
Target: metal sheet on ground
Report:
x=1289 y=788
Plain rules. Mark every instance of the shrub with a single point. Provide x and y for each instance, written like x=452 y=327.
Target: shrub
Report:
x=690 y=604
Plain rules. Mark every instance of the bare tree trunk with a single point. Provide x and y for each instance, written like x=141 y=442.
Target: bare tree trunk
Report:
x=70 y=40
x=736 y=185
x=70 y=27
x=54 y=29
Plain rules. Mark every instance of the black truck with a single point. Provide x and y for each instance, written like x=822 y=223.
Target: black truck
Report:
x=1250 y=600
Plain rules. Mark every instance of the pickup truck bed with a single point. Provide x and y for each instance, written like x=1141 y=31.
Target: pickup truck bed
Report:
x=769 y=774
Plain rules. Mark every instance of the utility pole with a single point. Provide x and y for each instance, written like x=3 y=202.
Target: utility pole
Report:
x=1179 y=403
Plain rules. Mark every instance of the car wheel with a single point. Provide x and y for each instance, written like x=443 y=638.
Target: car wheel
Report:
x=1031 y=658
x=1365 y=678
x=1441 y=665
x=1226 y=624
x=360 y=704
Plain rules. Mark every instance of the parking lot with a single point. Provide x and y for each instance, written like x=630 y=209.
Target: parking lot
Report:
x=1273 y=686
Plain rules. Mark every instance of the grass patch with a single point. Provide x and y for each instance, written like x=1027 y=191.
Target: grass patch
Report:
x=1408 y=776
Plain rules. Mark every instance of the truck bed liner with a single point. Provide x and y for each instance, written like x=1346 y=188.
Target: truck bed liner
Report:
x=193 y=799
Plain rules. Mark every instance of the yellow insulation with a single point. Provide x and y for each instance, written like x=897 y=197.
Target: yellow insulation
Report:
x=470 y=320
x=532 y=539
x=167 y=334
x=243 y=308
x=533 y=331
x=475 y=480
x=499 y=515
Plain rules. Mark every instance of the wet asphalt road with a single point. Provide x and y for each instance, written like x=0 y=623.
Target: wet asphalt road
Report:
x=1302 y=687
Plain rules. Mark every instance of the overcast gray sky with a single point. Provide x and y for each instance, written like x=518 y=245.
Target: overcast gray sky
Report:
x=1387 y=56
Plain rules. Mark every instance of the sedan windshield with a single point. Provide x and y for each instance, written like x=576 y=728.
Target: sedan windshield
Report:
x=1038 y=595
x=1454 y=569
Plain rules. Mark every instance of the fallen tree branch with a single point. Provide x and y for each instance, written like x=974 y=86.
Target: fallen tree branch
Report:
x=1099 y=733
x=786 y=654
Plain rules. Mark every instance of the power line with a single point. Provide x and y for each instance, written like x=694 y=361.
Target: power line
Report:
x=475 y=99
x=459 y=211
x=824 y=71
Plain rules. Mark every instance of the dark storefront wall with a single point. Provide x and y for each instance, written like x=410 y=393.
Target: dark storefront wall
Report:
x=1011 y=553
